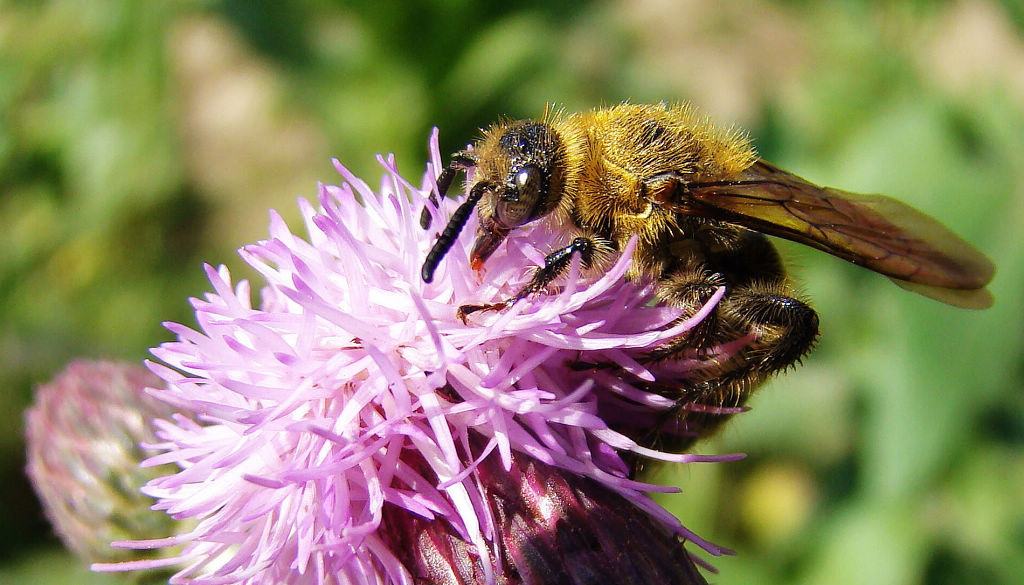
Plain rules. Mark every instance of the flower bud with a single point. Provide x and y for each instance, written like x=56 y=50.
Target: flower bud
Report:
x=84 y=433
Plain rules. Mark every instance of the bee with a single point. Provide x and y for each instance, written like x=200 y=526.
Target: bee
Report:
x=700 y=204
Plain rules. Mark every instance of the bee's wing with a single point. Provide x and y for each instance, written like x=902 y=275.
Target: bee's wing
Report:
x=873 y=231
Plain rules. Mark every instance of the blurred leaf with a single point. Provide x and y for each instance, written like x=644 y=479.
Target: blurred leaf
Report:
x=56 y=566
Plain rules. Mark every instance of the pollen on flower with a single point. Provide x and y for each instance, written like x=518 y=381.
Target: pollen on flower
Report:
x=352 y=389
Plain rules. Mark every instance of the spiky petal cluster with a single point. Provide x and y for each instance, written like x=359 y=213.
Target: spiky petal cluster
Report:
x=353 y=389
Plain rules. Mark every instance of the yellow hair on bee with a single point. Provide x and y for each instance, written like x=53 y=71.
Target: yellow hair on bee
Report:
x=701 y=205
x=610 y=153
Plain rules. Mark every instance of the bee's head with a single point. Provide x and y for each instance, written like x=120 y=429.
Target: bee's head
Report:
x=518 y=178
x=520 y=163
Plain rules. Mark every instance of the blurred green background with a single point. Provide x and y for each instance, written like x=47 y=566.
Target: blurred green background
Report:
x=138 y=139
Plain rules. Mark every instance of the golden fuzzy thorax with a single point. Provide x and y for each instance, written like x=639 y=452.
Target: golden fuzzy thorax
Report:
x=610 y=153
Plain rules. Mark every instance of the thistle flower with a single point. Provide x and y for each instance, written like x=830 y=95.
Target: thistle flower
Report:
x=83 y=433
x=331 y=433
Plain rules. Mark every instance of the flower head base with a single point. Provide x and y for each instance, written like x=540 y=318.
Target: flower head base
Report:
x=553 y=527
x=354 y=391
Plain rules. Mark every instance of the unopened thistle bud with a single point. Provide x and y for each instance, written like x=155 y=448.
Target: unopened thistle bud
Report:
x=84 y=433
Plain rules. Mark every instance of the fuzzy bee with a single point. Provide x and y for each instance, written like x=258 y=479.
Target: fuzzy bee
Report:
x=700 y=203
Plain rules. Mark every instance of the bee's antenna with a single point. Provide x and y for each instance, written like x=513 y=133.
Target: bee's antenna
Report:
x=444 y=182
x=451 y=231
x=460 y=160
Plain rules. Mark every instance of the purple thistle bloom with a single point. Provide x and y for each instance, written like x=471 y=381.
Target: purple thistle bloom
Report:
x=354 y=392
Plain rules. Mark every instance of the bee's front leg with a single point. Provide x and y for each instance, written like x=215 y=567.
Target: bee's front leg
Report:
x=555 y=264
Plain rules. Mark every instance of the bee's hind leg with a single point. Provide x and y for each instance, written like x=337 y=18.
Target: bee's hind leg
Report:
x=785 y=326
x=758 y=299
x=758 y=302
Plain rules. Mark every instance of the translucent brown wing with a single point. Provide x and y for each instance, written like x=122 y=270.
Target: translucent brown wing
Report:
x=872 y=231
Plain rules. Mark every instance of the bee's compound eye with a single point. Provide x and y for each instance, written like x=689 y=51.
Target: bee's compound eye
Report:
x=528 y=179
x=518 y=202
